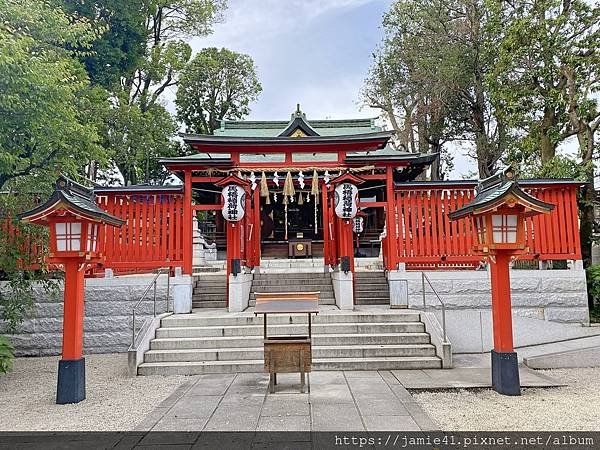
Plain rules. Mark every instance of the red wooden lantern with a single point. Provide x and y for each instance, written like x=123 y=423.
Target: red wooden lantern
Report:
x=499 y=211
x=76 y=239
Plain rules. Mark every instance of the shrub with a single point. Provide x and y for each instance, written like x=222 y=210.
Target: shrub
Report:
x=593 y=284
x=6 y=355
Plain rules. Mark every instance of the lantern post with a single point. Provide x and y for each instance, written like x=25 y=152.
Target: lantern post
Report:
x=498 y=211
x=77 y=228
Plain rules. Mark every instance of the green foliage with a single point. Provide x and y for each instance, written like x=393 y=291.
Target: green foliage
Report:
x=428 y=78
x=216 y=84
x=138 y=138
x=6 y=355
x=544 y=69
x=121 y=46
x=45 y=96
x=21 y=253
x=593 y=284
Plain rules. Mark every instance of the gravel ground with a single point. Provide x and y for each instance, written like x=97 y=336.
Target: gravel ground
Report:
x=114 y=401
x=572 y=408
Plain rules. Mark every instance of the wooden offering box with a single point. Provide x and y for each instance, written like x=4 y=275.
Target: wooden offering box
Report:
x=287 y=354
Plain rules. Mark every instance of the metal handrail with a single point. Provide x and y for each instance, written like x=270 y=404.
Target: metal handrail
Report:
x=426 y=278
x=152 y=284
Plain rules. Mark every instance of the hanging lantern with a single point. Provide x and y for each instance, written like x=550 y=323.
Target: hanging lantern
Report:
x=358 y=224
x=346 y=200
x=233 y=206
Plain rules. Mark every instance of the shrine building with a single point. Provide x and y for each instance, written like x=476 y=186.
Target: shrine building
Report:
x=328 y=207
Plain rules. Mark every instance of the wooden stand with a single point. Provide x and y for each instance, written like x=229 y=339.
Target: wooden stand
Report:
x=287 y=354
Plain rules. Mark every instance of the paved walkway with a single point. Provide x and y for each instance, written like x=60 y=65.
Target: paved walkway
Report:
x=339 y=401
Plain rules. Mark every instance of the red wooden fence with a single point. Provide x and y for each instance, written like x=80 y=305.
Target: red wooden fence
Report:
x=152 y=236
x=427 y=238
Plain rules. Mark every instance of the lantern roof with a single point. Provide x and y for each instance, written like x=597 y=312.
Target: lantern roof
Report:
x=497 y=190
x=73 y=197
x=347 y=177
x=232 y=179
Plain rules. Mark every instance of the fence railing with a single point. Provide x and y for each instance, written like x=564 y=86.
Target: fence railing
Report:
x=152 y=236
x=152 y=285
x=428 y=239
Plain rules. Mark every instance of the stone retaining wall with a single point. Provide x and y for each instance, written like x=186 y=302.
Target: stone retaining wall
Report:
x=552 y=295
x=548 y=305
x=107 y=325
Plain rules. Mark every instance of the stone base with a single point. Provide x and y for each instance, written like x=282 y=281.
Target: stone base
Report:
x=71 y=381
x=505 y=373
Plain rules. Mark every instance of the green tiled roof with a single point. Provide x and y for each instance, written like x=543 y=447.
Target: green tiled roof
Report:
x=274 y=128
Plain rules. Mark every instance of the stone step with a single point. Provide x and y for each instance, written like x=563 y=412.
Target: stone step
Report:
x=295 y=282
x=257 y=330
x=373 y=301
x=256 y=341
x=372 y=292
x=372 y=295
x=292 y=287
x=371 y=283
x=210 y=278
x=293 y=275
x=257 y=365
x=336 y=351
x=211 y=286
x=192 y=320
x=205 y=296
x=209 y=304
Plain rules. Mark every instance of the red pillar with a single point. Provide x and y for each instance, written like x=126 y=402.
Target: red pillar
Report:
x=71 y=367
x=501 y=304
x=187 y=224
x=325 y=221
x=233 y=243
x=72 y=346
x=346 y=240
x=390 y=221
x=256 y=230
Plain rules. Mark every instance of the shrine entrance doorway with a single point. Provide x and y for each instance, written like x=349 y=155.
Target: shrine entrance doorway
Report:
x=300 y=221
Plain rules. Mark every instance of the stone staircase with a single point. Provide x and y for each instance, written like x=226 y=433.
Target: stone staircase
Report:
x=294 y=282
x=191 y=344
x=371 y=288
x=210 y=290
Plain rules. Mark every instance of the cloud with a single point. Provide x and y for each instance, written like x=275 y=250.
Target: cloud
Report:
x=267 y=19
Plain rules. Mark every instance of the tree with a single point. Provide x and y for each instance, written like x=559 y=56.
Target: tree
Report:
x=438 y=50
x=540 y=44
x=216 y=84
x=167 y=23
x=137 y=104
x=545 y=82
x=48 y=122
x=120 y=48
x=47 y=106
x=138 y=139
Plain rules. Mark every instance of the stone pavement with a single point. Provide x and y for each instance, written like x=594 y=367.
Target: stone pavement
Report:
x=339 y=401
